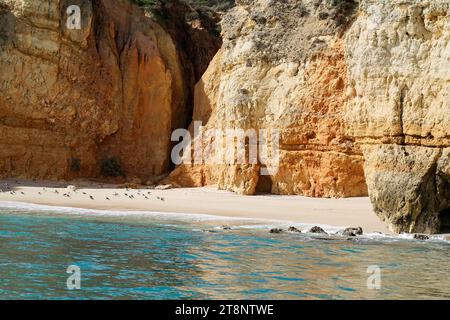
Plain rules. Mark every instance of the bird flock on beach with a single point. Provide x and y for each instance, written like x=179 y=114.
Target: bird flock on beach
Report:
x=72 y=190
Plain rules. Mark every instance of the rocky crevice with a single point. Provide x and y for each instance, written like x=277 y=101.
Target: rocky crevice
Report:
x=197 y=38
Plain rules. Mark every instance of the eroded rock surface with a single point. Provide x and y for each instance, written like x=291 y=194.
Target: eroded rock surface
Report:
x=381 y=85
x=107 y=90
x=282 y=66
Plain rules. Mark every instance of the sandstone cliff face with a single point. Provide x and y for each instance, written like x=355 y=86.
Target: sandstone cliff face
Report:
x=71 y=98
x=398 y=57
x=282 y=66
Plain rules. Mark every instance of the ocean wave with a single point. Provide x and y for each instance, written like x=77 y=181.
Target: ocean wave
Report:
x=248 y=223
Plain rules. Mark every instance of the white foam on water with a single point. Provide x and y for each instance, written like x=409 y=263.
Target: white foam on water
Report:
x=38 y=208
x=337 y=231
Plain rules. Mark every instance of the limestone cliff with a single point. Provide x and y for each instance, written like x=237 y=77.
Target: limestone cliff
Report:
x=381 y=86
x=398 y=57
x=282 y=66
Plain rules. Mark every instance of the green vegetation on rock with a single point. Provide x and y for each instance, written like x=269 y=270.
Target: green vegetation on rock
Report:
x=111 y=167
x=213 y=4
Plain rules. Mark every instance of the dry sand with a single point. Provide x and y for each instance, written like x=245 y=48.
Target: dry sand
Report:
x=296 y=209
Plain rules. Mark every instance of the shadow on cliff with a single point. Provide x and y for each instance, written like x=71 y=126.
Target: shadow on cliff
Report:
x=7 y=20
x=445 y=221
x=195 y=31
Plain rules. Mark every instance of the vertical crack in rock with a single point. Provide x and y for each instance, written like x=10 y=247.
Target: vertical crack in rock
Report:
x=403 y=93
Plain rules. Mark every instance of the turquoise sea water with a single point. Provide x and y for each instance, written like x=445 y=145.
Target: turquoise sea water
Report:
x=156 y=257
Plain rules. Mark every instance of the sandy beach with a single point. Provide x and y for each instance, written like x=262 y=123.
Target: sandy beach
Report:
x=296 y=209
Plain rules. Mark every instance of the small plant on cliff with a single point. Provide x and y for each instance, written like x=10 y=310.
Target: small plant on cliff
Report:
x=111 y=167
x=344 y=6
x=145 y=3
x=343 y=11
x=219 y=5
x=75 y=165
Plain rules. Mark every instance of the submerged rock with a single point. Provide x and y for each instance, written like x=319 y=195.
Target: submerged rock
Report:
x=317 y=229
x=293 y=229
x=332 y=238
x=419 y=236
x=208 y=231
x=352 y=232
x=276 y=230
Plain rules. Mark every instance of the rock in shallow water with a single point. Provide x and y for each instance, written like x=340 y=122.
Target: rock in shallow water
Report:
x=317 y=229
x=276 y=230
x=352 y=232
x=293 y=229
x=421 y=236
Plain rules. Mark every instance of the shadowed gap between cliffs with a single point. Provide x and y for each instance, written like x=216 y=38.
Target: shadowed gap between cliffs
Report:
x=195 y=31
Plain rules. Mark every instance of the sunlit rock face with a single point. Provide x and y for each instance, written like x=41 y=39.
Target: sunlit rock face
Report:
x=71 y=98
x=282 y=66
x=398 y=59
x=377 y=82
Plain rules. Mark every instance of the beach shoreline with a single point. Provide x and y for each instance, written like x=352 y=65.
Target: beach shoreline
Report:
x=346 y=212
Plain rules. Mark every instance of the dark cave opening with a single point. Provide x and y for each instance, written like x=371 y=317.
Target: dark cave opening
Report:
x=444 y=217
x=264 y=185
